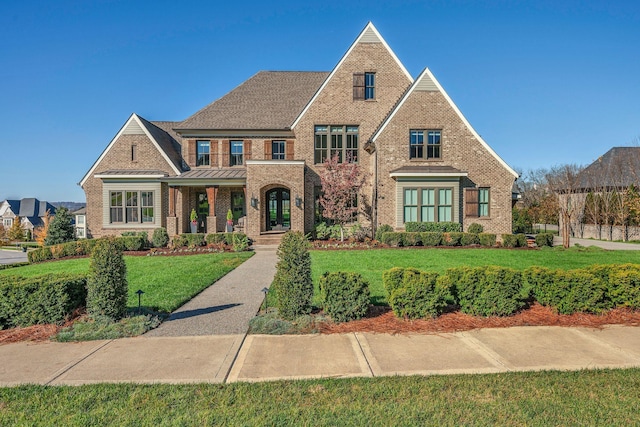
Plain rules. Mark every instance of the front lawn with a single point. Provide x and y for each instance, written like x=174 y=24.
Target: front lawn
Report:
x=603 y=397
x=167 y=281
x=371 y=263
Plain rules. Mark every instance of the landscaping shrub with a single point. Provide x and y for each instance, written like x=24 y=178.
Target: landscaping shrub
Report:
x=624 y=286
x=431 y=238
x=292 y=281
x=392 y=238
x=488 y=291
x=384 y=228
x=487 y=239
x=160 y=238
x=469 y=239
x=26 y=301
x=419 y=295
x=568 y=292
x=240 y=242
x=39 y=255
x=325 y=231
x=411 y=239
x=514 y=240
x=544 y=239
x=392 y=279
x=443 y=227
x=191 y=240
x=475 y=228
x=131 y=243
x=107 y=285
x=452 y=239
x=345 y=296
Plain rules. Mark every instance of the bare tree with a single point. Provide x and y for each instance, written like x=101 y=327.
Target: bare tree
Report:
x=565 y=183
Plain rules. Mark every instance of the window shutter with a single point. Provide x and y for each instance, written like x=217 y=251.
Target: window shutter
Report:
x=288 y=149
x=471 y=202
x=226 y=157
x=191 y=152
x=358 y=86
x=247 y=149
x=214 y=153
x=267 y=149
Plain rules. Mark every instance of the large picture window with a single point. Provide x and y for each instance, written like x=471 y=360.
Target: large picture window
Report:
x=131 y=207
x=419 y=150
x=336 y=140
x=428 y=204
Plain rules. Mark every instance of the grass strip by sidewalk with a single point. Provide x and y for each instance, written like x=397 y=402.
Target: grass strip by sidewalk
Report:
x=599 y=397
x=371 y=263
x=167 y=281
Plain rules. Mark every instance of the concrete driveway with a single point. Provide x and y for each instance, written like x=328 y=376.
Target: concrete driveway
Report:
x=604 y=244
x=12 y=257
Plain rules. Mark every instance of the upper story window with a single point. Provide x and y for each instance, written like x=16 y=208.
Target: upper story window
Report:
x=7 y=222
x=134 y=152
x=277 y=150
x=364 y=86
x=203 y=153
x=336 y=140
x=236 y=153
x=417 y=148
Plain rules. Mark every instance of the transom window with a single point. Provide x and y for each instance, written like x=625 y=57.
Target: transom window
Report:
x=203 y=153
x=236 y=153
x=277 y=150
x=417 y=149
x=343 y=143
x=428 y=204
x=131 y=207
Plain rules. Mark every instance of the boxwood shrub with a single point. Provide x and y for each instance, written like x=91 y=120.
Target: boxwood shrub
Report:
x=544 y=239
x=384 y=228
x=26 y=301
x=514 y=240
x=469 y=239
x=442 y=227
x=431 y=238
x=419 y=295
x=487 y=239
x=345 y=296
x=392 y=238
x=452 y=239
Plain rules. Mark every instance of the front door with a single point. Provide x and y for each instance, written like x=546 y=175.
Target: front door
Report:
x=203 y=212
x=279 y=209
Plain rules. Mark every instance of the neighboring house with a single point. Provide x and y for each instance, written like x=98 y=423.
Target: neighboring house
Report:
x=29 y=210
x=80 y=216
x=259 y=151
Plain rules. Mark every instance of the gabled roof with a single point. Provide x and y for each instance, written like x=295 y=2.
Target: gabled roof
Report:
x=368 y=35
x=137 y=125
x=427 y=82
x=618 y=167
x=268 y=100
x=162 y=134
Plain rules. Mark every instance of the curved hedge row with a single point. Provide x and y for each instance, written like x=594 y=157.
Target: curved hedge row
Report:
x=501 y=291
x=84 y=247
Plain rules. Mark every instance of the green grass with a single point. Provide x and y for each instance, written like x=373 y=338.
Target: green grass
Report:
x=371 y=263
x=603 y=397
x=168 y=282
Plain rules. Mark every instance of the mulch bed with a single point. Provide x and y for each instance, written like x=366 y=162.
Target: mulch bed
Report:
x=37 y=333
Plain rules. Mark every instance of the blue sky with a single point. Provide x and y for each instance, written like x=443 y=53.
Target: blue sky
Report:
x=544 y=82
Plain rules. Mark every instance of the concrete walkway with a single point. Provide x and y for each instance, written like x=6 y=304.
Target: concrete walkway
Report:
x=226 y=306
x=231 y=358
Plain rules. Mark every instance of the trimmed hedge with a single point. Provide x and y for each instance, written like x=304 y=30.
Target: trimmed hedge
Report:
x=487 y=239
x=416 y=294
x=514 y=240
x=84 y=247
x=443 y=227
x=384 y=228
x=345 y=296
x=544 y=239
x=26 y=301
x=436 y=238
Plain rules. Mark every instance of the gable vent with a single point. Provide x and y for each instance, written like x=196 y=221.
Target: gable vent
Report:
x=369 y=36
x=133 y=128
x=426 y=84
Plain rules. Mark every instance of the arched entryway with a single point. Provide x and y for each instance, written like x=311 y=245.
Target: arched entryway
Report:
x=278 y=215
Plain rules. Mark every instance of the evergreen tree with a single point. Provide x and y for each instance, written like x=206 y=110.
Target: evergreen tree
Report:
x=60 y=228
x=107 y=285
x=292 y=281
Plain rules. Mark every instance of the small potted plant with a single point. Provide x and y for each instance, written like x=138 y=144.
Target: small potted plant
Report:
x=229 y=221
x=194 y=221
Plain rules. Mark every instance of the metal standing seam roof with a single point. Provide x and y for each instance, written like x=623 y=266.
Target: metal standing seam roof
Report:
x=268 y=100
x=123 y=172
x=222 y=173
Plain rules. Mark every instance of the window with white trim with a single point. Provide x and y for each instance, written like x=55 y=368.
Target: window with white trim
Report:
x=428 y=204
x=7 y=222
x=131 y=207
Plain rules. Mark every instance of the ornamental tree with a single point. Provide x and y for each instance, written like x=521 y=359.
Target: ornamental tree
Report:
x=341 y=184
x=16 y=232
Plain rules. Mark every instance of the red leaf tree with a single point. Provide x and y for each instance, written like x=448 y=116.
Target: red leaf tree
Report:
x=341 y=184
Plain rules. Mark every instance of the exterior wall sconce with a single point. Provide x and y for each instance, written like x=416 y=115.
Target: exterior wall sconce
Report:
x=254 y=202
x=298 y=201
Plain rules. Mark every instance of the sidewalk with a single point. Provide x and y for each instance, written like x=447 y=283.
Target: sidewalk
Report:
x=231 y=358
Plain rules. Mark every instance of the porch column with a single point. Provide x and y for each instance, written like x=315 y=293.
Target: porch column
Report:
x=212 y=193
x=172 y=219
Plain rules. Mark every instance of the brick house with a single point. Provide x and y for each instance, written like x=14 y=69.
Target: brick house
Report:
x=259 y=150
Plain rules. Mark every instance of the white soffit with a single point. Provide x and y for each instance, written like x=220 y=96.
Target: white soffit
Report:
x=133 y=126
x=369 y=35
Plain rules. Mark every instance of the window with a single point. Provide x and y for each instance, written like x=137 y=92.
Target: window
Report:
x=237 y=204
x=344 y=143
x=428 y=204
x=131 y=207
x=134 y=152
x=277 y=150
x=203 y=153
x=236 y=153
x=80 y=233
x=7 y=222
x=483 y=202
x=417 y=146
x=369 y=85
x=80 y=220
